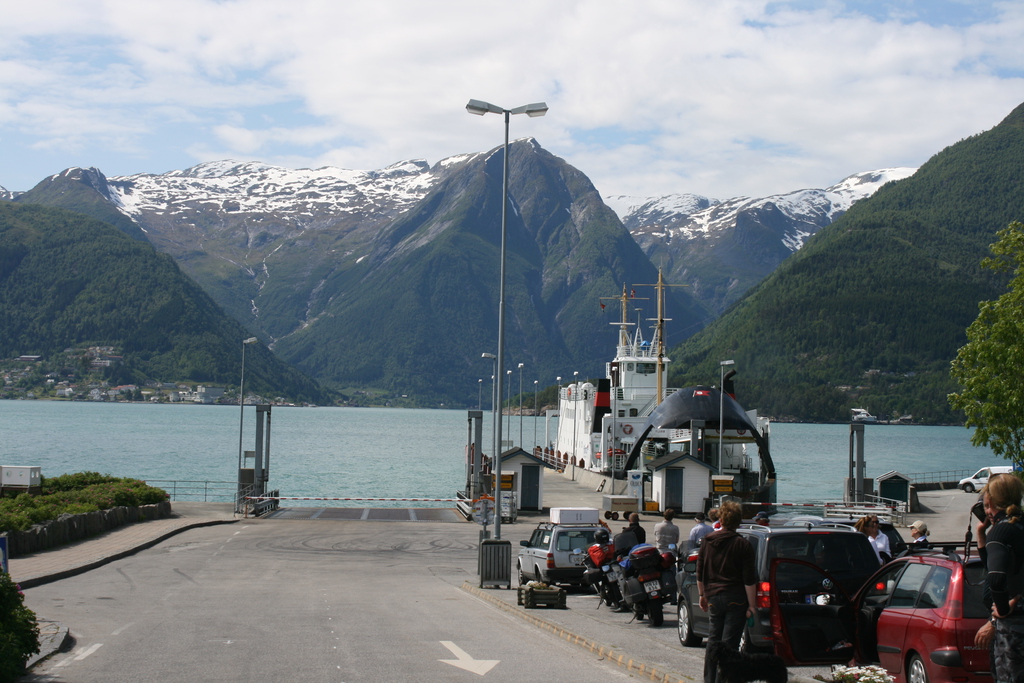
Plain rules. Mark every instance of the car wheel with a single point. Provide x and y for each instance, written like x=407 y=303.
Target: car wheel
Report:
x=916 y=673
x=522 y=576
x=968 y=487
x=687 y=637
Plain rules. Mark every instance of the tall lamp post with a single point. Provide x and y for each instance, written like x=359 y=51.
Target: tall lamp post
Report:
x=241 y=401
x=721 y=409
x=494 y=372
x=535 y=413
x=558 y=402
x=520 y=405
x=479 y=394
x=479 y=108
x=508 y=400
x=575 y=422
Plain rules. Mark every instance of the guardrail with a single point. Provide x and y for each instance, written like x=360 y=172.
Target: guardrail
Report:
x=940 y=476
x=206 y=491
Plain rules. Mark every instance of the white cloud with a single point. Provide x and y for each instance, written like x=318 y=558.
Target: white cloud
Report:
x=725 y=98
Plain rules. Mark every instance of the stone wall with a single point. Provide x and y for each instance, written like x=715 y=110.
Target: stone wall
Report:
x=70 y=528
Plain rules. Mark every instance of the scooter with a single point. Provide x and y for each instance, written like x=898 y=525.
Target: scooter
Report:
x=647 y=581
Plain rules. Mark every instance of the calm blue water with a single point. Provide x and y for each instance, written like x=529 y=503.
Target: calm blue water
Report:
x=381 y=452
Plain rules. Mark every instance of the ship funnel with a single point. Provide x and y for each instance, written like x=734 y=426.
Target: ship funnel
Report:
x=602 y=403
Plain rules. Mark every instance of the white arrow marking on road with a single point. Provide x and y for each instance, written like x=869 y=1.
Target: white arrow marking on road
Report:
x=464 y=661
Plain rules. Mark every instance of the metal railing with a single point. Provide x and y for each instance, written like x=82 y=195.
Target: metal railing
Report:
x=206 y=491
x=940 y=476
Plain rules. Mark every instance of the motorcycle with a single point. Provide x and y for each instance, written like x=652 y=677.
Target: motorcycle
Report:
x=647 y=581
x=599 y=561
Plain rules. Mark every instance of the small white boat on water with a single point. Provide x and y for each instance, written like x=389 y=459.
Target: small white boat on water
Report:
x=863 y=416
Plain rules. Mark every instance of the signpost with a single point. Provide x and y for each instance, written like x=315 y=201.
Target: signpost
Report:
x=483 y=513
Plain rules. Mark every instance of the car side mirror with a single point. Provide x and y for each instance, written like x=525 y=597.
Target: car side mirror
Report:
x=525 y=544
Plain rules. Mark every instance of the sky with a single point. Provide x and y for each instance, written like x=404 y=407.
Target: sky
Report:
x=722 y=98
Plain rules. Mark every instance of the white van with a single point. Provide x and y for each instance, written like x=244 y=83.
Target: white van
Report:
x=980 y=478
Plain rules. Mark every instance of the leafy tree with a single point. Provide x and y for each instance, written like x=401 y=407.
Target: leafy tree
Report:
x=19 y=631
x=990 y=366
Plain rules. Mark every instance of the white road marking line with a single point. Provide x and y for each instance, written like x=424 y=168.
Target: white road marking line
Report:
x=120 y=630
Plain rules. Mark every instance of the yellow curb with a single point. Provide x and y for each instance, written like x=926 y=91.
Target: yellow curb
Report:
x=608 y=653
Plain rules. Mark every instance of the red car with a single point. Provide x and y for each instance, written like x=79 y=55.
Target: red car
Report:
x=916 y=617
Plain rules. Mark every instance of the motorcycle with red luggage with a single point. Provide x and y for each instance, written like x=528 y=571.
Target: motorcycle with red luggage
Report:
x=599 y=560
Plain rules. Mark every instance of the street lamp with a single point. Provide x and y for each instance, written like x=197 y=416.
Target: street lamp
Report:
x=508 y=400
x=494 y=360
x=558 y=402
x=480 y=108
x=535 y=414
x=520 y=405
x=721 y=409
x=241 y=402
x=575 y=421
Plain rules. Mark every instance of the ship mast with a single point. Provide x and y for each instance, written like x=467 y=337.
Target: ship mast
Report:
x=624 y=324
x=660 y=285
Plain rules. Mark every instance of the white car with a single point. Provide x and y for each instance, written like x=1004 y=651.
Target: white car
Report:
x=549 y=554
x=980 y=478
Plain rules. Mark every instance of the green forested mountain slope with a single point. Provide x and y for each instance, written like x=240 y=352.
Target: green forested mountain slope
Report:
x=872 y=310
x=416 y=314
x=70 y=280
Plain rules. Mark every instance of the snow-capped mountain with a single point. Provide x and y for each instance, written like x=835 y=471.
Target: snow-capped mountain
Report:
x=721 y=248
x=5 y=194
x=256 y=188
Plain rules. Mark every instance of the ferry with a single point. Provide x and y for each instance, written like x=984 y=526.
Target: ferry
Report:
x=630 y=418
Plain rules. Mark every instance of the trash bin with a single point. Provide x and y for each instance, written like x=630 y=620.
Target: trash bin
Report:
x=495 y=563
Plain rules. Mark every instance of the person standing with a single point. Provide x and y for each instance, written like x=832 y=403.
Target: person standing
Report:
x=1001 y=547
x=666 y=533
x=868 y=525
x=726 y=584
x=634 y=526
x=699 y=530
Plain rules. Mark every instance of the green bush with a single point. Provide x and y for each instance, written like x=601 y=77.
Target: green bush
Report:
x=75 y=494
x=19 y=632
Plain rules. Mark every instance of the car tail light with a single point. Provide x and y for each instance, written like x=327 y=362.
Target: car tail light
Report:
x=764 y=595
x=551 y=560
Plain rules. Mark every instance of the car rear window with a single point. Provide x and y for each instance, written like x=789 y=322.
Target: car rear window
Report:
x=831 y=552
x=572 y=539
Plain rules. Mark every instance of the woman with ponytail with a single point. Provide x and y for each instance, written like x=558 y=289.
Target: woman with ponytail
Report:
x=1001 y=546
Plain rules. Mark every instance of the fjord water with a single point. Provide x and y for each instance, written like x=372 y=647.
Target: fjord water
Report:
x=394 y=453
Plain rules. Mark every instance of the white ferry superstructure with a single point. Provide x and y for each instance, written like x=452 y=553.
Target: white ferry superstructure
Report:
x=599 y=424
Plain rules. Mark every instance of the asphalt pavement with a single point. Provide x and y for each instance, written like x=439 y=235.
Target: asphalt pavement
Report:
x=645 y=651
